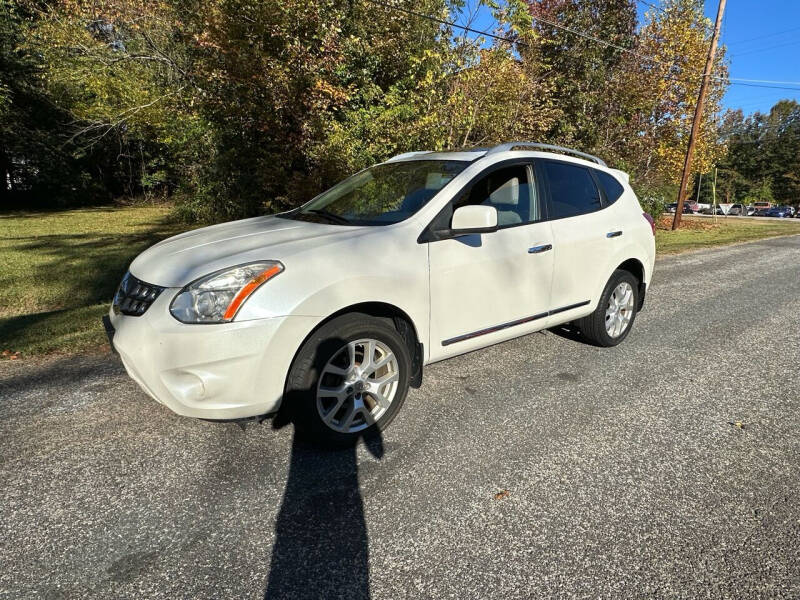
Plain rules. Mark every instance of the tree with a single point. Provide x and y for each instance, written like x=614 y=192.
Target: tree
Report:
x=35 y=161
x=239 y=106
x=765 y=150
x=585 y=75
x=664 y=87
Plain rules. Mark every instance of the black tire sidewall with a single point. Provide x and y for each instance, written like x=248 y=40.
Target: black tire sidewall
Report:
x=301 y=384
x=599 y=333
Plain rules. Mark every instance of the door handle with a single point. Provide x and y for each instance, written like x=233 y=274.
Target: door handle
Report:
x=540 y=249
x=611 y=234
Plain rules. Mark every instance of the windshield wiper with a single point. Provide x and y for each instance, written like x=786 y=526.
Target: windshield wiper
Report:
x=329 y=215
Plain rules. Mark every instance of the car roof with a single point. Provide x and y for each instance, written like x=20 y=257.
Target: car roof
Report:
x=458 y=155
x=471 y=154
x=509 y=150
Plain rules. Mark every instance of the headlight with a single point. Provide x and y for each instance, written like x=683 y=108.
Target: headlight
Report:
x=217 y=298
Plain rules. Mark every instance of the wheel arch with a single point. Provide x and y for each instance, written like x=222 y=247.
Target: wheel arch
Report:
x=400 y=320
x=636 y=268
x=633 y=266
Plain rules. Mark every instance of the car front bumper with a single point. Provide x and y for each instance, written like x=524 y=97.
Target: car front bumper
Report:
x=210 y=371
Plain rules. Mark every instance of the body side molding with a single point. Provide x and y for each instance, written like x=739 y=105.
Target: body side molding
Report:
x=480 y=332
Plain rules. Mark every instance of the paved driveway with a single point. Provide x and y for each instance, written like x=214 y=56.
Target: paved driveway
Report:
x=625 y=471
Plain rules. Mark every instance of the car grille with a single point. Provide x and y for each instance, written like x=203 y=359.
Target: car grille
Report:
x=134 y=297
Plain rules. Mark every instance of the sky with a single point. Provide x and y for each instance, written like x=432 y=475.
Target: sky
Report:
x=762 y=40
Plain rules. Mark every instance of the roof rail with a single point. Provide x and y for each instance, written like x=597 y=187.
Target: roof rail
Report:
x=538 y=146
x=408 y=155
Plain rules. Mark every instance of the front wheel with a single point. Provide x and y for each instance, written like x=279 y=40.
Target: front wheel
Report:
x=349 y=379
x=613 y=318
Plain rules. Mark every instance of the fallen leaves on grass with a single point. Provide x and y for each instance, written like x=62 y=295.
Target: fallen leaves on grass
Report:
x=501 y=495
x=9 y=355
x=665 y=224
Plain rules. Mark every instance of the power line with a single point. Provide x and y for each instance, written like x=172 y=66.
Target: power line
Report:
x=603 y=42
x=652 y=5
x=766 y=48
x=443 y=22
x=732 y=80
x=772 y=87
x=753 y=106
x=764 y=81
x=512 y=41
x=761 y=37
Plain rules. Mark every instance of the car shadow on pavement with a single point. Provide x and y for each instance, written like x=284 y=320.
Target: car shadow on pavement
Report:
x=568 y=331
x=321 y=546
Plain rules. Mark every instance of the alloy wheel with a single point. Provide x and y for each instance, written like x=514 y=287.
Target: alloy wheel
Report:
x=357 y=385
x=619 y=311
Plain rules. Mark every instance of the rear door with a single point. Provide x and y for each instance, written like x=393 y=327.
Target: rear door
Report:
x=584 y=232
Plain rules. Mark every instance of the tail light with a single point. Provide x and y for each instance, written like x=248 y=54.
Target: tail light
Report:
x=651 y=221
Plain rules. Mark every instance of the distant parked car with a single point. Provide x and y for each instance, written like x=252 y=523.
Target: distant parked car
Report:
x=762 y=205
x=781 y=212
x=750 y=210
x=673 y=206
x=711 y=211
x=737 y=210
x=761 y=212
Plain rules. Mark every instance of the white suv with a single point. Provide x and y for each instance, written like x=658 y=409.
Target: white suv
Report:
x=333 y=308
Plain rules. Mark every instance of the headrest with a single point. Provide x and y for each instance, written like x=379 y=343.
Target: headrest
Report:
x=436 y=181
x=508 y=193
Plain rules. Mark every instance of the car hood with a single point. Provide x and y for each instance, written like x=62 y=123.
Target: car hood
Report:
x=183 y=258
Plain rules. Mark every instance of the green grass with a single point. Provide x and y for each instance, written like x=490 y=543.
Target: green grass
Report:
x=726 y=231
x=59 y=270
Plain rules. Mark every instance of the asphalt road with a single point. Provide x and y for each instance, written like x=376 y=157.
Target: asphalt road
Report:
x=625 y=471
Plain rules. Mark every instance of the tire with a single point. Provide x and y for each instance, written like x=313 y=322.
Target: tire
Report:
x=325 y=381
x=593 y=326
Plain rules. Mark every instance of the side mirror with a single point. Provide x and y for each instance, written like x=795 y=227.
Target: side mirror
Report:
x=474 y=219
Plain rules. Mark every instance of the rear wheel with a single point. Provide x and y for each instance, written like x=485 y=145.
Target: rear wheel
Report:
x=349 y=379
x=613 y=318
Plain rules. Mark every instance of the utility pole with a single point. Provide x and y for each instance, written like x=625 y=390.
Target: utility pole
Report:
x=714 y=194
x=698 y=115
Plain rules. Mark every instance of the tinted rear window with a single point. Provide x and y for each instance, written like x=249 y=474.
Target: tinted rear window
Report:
x=611 y=186
x=572 y=190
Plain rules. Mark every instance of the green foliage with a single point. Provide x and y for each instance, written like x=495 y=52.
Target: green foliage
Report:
x=584 y=74
x=760 y=192
x=233 y=107
x=764 y=153
x=655 y=197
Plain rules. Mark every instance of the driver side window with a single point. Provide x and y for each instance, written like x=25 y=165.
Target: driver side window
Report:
x=510 y=190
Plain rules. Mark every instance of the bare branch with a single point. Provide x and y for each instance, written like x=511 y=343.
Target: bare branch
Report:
x=102 y=128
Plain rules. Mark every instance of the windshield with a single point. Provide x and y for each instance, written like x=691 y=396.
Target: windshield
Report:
x=381 y=195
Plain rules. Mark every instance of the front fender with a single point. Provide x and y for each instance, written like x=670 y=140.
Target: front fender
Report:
x=408 y=296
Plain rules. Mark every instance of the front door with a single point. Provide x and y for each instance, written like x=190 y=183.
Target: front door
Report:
x=491 y=287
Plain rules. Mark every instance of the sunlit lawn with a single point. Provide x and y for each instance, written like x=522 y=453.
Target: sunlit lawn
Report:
x=703 y=232
x=59 y=270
